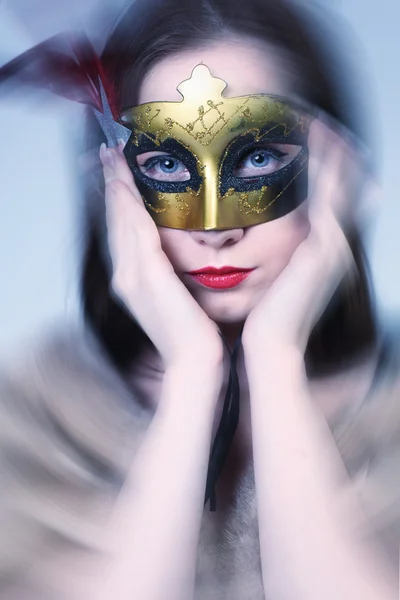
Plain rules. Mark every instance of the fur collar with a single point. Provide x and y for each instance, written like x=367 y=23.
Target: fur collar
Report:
x=70 y=427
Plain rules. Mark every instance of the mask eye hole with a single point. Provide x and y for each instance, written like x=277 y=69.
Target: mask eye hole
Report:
x=161 y=166
x=261 y=160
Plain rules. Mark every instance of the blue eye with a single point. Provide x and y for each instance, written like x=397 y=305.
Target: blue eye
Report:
x=259 y=158
x=260 y=161
x=169 y=165
x=165 y=168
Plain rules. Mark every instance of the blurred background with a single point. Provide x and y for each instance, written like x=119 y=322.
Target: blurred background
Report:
x=39 y=239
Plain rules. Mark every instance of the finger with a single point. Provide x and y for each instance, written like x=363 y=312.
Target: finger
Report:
x=332 y=129
x=326 y=134
x=321 y=262
x=317 y=141
x=122 y=170
x=123 y=201
x=129 y=222
x=323 y=144
x=309 y=281
x=340 y=176
x=329 y=177
x=115 y=167
x=372 y=198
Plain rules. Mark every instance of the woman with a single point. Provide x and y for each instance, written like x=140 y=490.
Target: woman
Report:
x=107 y=435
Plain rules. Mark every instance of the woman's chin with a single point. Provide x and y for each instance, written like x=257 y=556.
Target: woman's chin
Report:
x=230 y=313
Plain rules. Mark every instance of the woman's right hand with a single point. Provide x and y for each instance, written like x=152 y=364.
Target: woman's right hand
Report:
x=144 y=279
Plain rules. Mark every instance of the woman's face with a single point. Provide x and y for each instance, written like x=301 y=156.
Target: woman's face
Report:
x=248 y=68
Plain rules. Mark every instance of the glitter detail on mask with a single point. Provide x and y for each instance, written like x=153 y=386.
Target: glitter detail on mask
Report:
x=243 y=202
x=206 y=131
x=158 y=210
x=182 y=205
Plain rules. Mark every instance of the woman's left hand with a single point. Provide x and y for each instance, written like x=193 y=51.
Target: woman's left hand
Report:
x=308 y=515
x=286 y=314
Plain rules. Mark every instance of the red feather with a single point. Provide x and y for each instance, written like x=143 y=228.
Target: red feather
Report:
x=66 y=65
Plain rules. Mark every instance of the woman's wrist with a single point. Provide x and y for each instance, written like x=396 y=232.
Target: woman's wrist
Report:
x=197 y=383
x=200 y=358
x=274 y=361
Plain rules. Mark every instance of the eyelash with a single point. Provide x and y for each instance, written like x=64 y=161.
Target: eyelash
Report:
x=274 y=152
x=155 y=160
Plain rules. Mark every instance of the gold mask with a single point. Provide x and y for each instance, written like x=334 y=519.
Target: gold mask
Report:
x=210 y=135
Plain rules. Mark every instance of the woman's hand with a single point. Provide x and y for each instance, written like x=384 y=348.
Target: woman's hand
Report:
x=288 y=311
x=154 y=530
x=144 y=279
x=307 y=514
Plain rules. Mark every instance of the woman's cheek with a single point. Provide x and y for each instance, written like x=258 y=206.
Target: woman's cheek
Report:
x=278 y=240
x=174 y=244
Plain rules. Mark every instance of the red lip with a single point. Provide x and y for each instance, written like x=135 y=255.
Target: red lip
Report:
x=222 y=278
x=219 y=270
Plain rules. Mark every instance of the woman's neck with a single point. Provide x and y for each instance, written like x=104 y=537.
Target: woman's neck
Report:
x=230 y=332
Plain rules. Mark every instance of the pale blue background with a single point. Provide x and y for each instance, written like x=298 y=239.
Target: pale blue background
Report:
x=39 y=201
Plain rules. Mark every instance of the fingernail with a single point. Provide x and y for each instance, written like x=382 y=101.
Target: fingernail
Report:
x=107 y=156
x=121 y=146
x=108 y=160
x=103 y=149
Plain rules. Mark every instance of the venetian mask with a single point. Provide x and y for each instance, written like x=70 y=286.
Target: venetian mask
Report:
x=217 y=162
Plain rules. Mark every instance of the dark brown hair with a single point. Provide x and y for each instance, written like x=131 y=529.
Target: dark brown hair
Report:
x=151 y=30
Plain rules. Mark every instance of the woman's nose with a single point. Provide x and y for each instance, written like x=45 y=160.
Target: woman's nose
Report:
x=218 y=238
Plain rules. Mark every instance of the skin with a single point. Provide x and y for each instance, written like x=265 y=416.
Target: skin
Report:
x=307 y=510
x=249 y=67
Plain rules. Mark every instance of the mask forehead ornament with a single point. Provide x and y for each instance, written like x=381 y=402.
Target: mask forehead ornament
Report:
x=212 y=135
